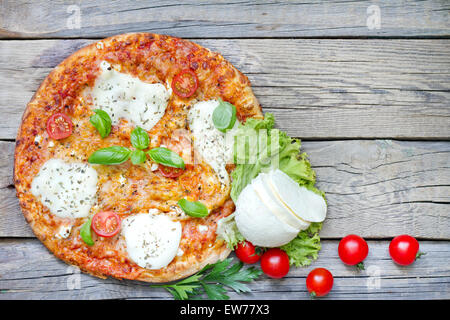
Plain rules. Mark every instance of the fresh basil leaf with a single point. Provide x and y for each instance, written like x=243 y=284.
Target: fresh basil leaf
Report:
x=110 y=155
x=102 y=122
x=138 y=156
x=85 y=233
x=193 y=208
x=224 y=116
x=166 y=157
x=139 y=138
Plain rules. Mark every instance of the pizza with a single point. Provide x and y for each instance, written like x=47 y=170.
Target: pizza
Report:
x=115 y=138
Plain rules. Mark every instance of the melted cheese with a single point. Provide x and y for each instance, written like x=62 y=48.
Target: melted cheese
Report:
x=68 y=190
x=64 y=232
x=214 y=146
x=127 y=97
x=152 y=240
x=37 y=139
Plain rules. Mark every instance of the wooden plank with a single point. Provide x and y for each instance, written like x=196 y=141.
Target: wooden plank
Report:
x=377 y=189
x=318 y=89
x=225 y=19
x=29 y=271
x=10 y=210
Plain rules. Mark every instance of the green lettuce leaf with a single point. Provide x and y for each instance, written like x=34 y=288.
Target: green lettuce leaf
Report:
x=227 y=230
x=305 y=247
x=259 y=154
x=258 y=147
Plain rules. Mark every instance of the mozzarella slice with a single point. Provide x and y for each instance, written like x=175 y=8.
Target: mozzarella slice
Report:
x=124 y=96
x=268 y=198
x=304 y=203
x=258 y=224
x=68 y=190
x=214 y=146
x=152 y=240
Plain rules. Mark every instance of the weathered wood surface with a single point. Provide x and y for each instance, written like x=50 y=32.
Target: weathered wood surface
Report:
x=318 y=89
x=377 y=189
x=224 y=19
x=29 y=271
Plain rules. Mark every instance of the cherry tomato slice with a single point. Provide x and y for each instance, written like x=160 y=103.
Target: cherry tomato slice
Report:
x=353 y=250
x=247 y=253
x=319 y=282
x=106 y=224
x=59 y=126
x=170 y=172
x=404 y=249
x=185 y=83
x=275 y=263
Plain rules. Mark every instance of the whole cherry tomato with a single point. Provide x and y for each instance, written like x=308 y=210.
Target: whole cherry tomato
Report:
x=275 y=263
x=319 y=282
x=404 y=250
x=247 y=253
x=353 y=250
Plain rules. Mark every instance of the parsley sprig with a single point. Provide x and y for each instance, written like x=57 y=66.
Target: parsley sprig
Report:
x=212 y=280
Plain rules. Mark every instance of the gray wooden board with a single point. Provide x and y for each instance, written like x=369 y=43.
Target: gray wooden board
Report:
x=317 y=89
x=375 y=188
x=224 y=19
x=29 y=271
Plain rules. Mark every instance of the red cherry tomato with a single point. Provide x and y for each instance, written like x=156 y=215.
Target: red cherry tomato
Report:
x=404 y=249
x=275 y=263
x=185 y=83
x=353 y=250
x=106 y=224
x=59 y=126
x=319 y=282
x=170 y=172
x=246 y=252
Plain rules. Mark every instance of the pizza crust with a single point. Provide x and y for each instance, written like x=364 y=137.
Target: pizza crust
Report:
x=225 y=81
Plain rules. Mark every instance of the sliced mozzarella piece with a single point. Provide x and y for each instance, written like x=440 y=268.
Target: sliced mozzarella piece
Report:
x=273 y=203
x=258 y=224
x=214 y=146
x=68 y=190
x=124 y=96
x=152 y=240
x=304 y=203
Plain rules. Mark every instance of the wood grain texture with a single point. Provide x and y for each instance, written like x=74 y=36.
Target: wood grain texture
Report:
x=376 y=189
x=29 y=271
x=317 y=89
x=223 y=19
